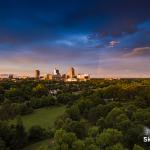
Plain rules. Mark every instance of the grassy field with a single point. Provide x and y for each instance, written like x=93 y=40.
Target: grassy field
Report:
x=42 y=145
x=44 y=117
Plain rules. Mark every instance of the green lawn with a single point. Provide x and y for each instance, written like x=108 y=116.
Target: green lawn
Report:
x=42 y=145
x=44 y=117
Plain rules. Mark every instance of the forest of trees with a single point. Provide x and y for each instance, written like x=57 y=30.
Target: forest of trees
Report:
x=100 y=114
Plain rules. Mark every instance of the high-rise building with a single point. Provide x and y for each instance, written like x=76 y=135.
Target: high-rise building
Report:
x=56 y=72
x=71 y=73
x=37 y=74
x=56 y=75
x=64 y=76
x=48 y=77
x=11 y=76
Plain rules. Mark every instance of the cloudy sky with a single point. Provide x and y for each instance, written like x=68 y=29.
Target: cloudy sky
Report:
x=101 y=37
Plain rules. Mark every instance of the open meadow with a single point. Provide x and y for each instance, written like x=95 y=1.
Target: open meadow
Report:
x=43 y=117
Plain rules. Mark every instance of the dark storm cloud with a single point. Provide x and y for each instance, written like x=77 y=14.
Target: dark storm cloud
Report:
x=101 y=16
x=110 y=16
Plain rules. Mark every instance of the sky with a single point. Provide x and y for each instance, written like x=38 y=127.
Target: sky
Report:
x=105 y=38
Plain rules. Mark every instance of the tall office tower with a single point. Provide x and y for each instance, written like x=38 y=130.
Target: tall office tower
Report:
x=11 y=76
x=71 y=73
x=56 y=72
x=56 y=75
x=37 y=74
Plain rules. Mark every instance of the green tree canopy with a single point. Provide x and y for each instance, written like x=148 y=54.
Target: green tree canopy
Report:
x=109 y=137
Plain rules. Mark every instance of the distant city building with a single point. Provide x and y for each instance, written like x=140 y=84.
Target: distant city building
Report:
x=6 y=76
x=48 y=77
x=11 y=76
x=71 y=76
x=64 y=77
x=37 y=74
x=71 y=73
x=83 y=77
x=72 y=80
x=22 y=77
x=56 y=75
x=112 y=78
x=56 y=72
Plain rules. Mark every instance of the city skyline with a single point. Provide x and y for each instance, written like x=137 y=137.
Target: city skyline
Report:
x=108 y=38
x=70 y=76
x=37 y=72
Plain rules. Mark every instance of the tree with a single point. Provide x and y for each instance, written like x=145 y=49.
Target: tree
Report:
x=93 y=132
x=2 y=145
x=118 y=146
x=89 y=141
x=36 y=133
x=122 y=122
x=12 y=136
x=133 y=135
x=69 y=138
x=78 y=145
x=90 y=144
x=63 y=138
x=78 y=127
x=93 y=115
x=15 y=95
x=111 y=117
x=92 y=147
x=137 y=147
x=64 y=146
x=84 y=104
x=43 y=101
x=58 y=137
x=130 y=110
x=40 y=90
x=109 y=137
x=6 y=110
x=59 y=123
x=66 y=98
x=74 y=112
x=21 y=135
x=113 y=91
x=101 y=124
x=2 y=91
